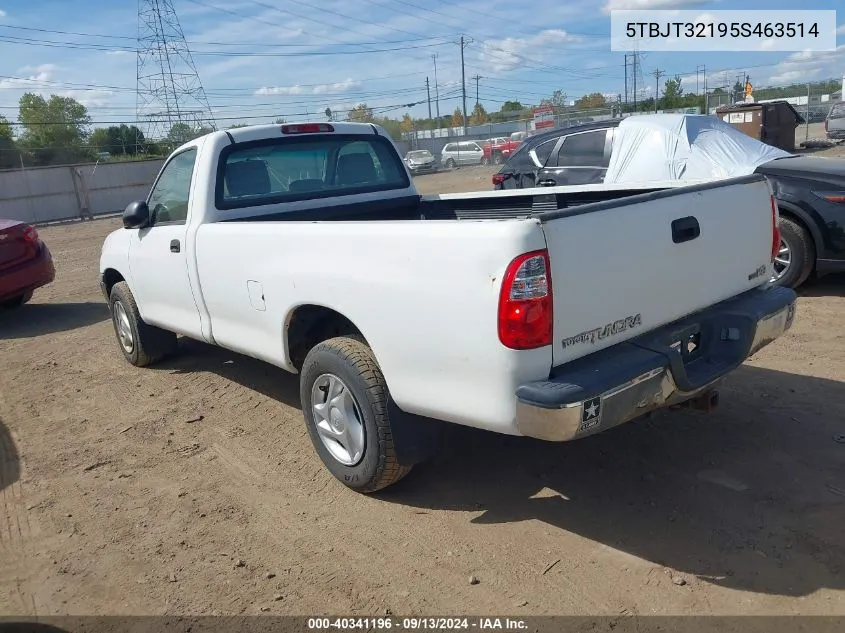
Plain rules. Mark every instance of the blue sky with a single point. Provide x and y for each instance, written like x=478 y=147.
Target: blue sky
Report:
x=259 y=59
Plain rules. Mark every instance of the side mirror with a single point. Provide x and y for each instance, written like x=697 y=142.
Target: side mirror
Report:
x=136 y=215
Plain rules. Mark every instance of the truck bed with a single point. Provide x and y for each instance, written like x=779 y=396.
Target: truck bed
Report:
x=486 y=205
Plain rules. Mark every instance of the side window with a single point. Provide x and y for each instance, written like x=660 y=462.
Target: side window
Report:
x=544 y=150
x=521 y=161
x=837 y=111
x=168 y=200
x=583 y=150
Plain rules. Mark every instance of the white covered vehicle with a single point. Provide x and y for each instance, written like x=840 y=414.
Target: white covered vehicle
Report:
x=524 y=312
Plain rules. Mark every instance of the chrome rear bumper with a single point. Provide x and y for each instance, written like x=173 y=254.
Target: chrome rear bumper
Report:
x=653 y=371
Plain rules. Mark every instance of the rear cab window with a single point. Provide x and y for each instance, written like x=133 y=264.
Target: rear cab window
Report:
x=837 y=111
x=287 y=169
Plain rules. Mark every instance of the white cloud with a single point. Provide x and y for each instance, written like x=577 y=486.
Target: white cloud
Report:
x=319 y=89
x=2 y=13
x=119 y=53
x=630 y=5
x=509 y=53
x=841 y=30
x=342 y=86
x=35 y=77
x=90 y=98
x=806 y=65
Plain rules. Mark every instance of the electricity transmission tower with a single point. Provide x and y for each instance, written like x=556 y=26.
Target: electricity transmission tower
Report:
x=169 y=91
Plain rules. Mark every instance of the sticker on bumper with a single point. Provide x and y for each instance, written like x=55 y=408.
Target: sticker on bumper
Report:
x=590 y=414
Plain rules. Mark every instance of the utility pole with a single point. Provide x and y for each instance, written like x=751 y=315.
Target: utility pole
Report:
x=657 y=75
x=428 y=95
x=436 y=89
x=477 y=78
x=626 y=80
x=464 y=85
x=634 y=73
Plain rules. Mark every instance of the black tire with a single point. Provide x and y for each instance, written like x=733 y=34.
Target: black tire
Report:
x=351 y=360
x=149 y=343
x=17 y=302
x=802 y=251
x=485 y=161
x=498 y=159
x=450 y=164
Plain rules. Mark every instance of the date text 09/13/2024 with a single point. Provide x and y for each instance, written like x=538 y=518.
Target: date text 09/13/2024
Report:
x=418 y=623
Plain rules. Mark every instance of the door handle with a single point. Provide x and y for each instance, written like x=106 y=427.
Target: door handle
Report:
x=548 y=182
x=174 y=246
x=685 y=229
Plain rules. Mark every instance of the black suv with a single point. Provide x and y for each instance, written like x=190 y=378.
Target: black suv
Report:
x=575 y=155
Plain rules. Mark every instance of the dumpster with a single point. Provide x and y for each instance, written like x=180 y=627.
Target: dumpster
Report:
x=772 y=122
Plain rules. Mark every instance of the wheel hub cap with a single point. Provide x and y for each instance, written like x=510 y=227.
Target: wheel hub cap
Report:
x=337 y=416
x=124 y=329
x=782 y=261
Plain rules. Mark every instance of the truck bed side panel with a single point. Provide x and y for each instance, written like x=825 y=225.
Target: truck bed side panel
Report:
x=423 y=293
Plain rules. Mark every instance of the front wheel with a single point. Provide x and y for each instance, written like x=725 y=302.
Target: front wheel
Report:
x=485 y=161
x=450 y=164
x=498 y=160
x=344 y=400
x=795 y=258
x=141 y=344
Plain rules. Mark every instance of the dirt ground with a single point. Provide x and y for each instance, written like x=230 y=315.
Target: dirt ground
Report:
x=118 y=499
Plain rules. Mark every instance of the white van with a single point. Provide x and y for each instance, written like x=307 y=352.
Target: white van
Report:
x=463 y=153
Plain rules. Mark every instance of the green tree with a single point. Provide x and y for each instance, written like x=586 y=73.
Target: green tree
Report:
x=9 y=154
x=479 y=115
x=590 y=101
x=55 y=130
x=512 y=106
x=119 y=140
x=407 y=123
x=557 y=100
x=673 y=94
x=391 y=126
x=180 y=133
x=457 y=118
x=361 y=113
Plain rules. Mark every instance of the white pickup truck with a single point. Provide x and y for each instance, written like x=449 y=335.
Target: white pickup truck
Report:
x=553 y=313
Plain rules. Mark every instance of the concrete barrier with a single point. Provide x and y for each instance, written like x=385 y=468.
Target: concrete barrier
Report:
x=50 y=194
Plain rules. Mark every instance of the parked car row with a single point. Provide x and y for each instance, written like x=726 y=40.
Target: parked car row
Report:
x=810 y=191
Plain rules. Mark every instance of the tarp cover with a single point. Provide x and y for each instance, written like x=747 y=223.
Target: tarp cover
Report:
x=685 y=147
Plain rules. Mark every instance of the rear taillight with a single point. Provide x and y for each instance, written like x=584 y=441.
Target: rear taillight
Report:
x=307 y=128
x=775 y=230
x=525 y=302
x=498 y=179
x=30 y=234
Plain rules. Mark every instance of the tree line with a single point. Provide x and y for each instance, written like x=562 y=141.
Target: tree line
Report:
x=57 y=130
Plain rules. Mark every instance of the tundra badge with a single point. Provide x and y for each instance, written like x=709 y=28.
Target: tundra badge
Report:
x=599 y=333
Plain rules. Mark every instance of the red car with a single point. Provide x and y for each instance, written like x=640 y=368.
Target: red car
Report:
x=25 y=263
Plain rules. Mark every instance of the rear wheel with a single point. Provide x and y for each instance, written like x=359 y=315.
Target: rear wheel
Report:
x=498 y=159
x=344 y=401
x=485 y=160
x=141 y=344
x=796 y=256
x=17 y=302
x=450 y=164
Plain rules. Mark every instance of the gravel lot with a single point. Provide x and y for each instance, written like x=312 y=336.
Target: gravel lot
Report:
x=118 y=499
